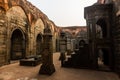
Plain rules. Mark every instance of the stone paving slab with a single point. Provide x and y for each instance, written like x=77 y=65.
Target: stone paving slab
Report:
x=16 y=72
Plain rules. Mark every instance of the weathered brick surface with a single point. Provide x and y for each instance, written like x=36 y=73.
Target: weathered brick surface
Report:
x=20 y=18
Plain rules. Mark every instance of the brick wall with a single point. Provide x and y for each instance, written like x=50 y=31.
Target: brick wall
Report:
x=116 y=37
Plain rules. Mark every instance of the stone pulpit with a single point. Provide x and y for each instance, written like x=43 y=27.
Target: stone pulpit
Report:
x=47 y=54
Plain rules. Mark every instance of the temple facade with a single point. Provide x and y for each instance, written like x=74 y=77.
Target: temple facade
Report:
x=103 y=25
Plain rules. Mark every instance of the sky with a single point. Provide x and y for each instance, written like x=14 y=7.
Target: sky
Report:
x=64 y=12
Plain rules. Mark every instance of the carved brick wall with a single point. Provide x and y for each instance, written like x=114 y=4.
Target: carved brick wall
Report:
x=3 y=37
x=23 y=16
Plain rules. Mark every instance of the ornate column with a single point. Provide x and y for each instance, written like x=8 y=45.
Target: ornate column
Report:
x=47 y=54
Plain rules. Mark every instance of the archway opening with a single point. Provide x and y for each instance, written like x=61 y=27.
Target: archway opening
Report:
x=81 y=37
x=38 y=44
x=101 y=29
x=17 y=45
x=81 y=43
x=104 y=59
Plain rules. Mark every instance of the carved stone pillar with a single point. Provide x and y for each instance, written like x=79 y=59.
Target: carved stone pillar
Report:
x=47 y=55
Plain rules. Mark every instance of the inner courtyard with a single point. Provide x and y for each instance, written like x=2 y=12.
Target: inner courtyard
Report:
x=32 y=44
x=16 y=72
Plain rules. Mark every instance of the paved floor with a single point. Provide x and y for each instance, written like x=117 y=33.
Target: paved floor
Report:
x=16 y=72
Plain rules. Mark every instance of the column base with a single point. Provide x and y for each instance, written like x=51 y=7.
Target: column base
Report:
x=47 y=69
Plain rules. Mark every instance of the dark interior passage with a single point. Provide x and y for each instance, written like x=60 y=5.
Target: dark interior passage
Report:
x=17 y=45
x=103 y=60
x=102 y=24
x=39 y=44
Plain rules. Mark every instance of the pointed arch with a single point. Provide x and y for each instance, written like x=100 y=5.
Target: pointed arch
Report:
x=18 y=46
x=17 y=12
x=102 y=25
x=39 y=42
x=19 y=9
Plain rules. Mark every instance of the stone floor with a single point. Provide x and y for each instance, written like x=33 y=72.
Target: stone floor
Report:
x=16 y=72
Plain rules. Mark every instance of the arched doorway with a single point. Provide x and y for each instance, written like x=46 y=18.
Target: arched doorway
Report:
x=38 y=44
x=70 y=42
x=104 y=59
x=104 y=52
x=99 y=32
x=101 y=28
x=81 y=43
x=17 y=45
